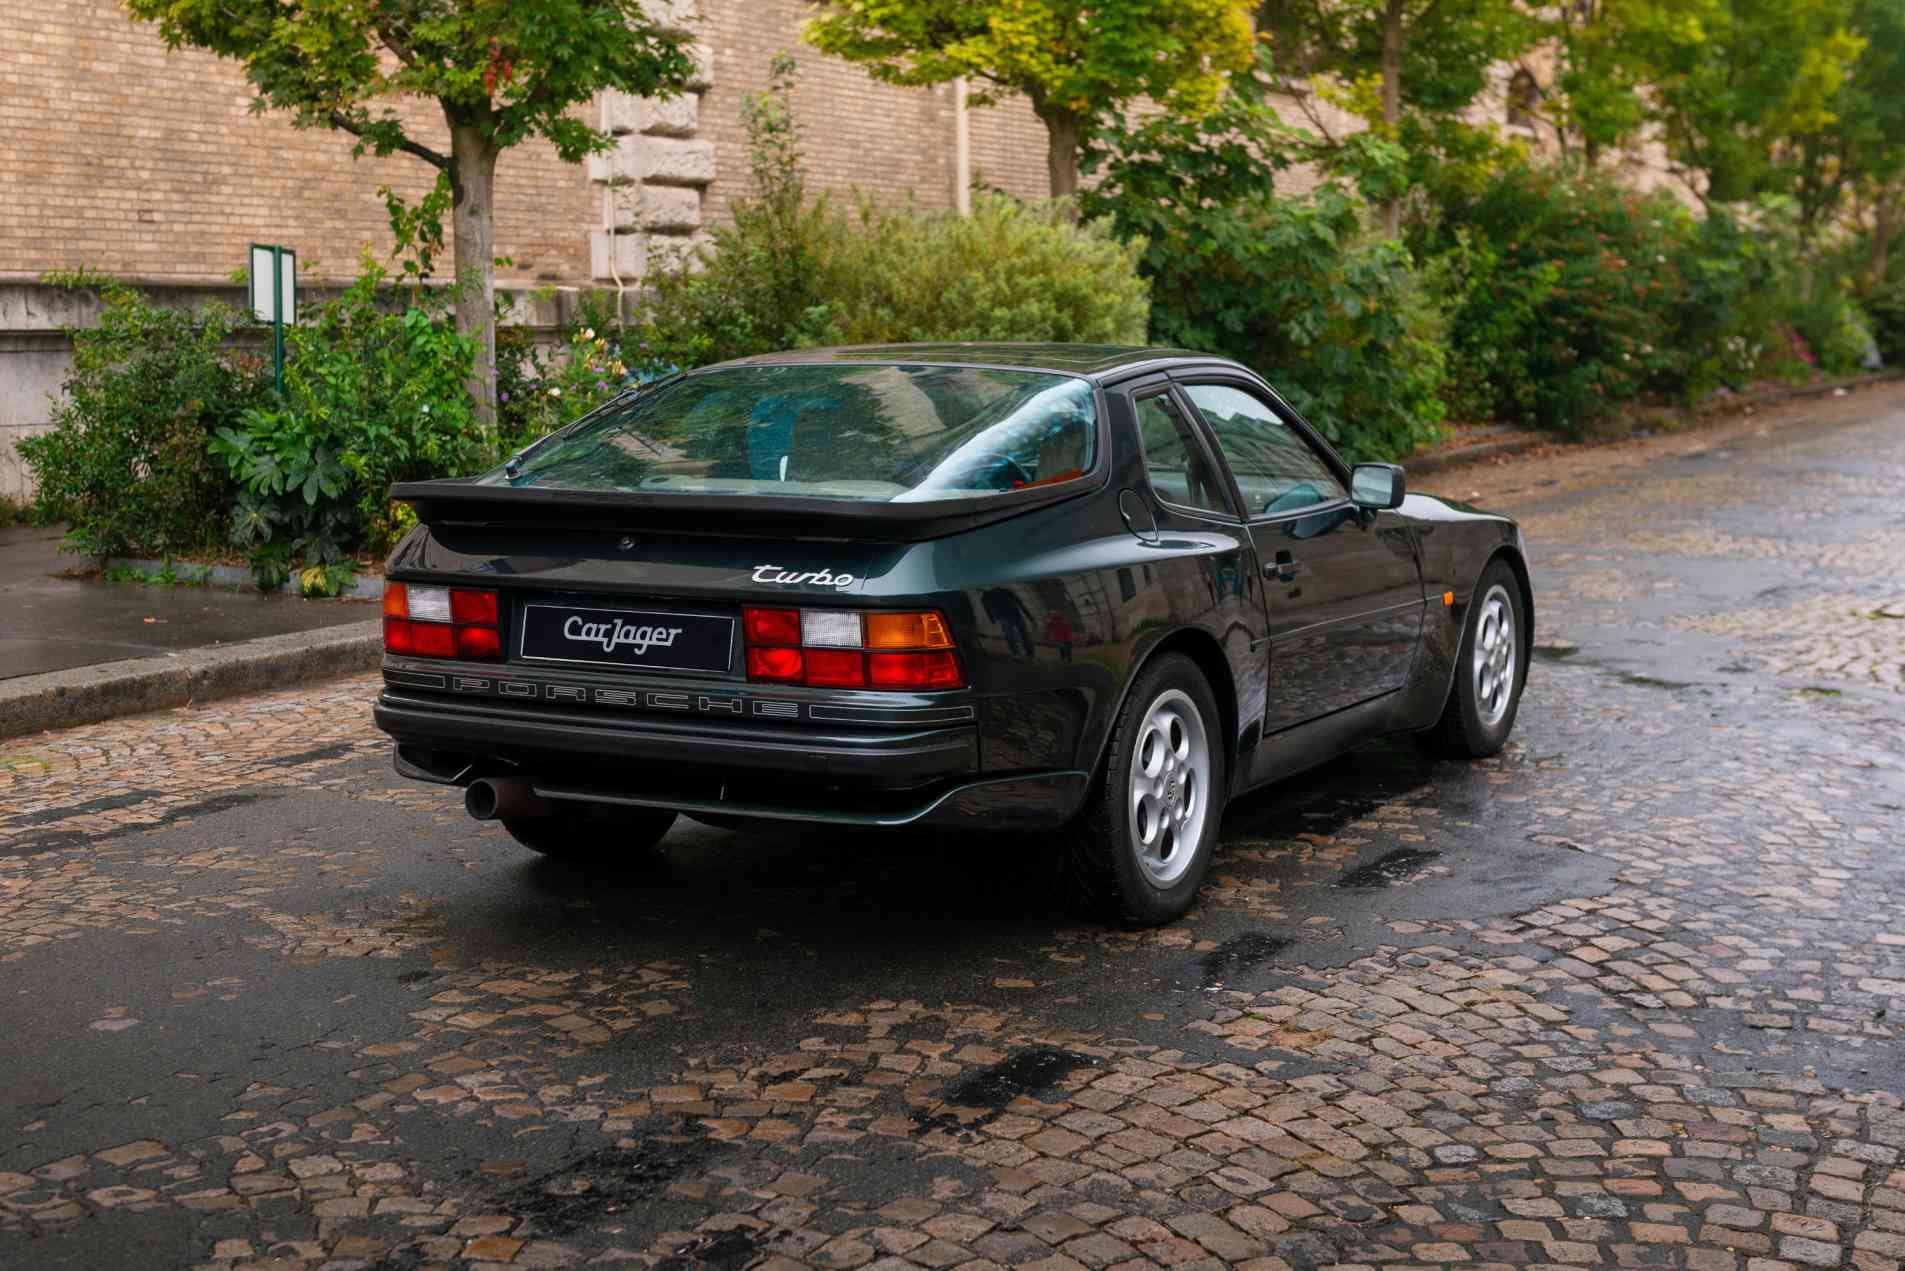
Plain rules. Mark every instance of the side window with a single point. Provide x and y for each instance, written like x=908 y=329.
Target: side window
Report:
x=1275 y=467
x=1176 y=464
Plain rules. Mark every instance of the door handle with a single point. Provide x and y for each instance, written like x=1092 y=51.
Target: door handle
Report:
x=1283 y=569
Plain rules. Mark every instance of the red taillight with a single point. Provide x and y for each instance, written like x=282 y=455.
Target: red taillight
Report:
x=433 y=639
x=771 y=626
x=937 y=669
x=484 y=643
x=783 y=665
x=836 y=668
x=473 y=608
x=834 y=648
x=442 y=622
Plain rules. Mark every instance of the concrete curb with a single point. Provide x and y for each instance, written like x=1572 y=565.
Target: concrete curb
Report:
x=88 y=694
x=1438 y=460
x=234 y=577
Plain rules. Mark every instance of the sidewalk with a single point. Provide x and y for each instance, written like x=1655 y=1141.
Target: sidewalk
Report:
x=50 y=623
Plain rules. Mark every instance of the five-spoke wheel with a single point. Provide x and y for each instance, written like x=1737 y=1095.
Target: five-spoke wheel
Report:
x=1489 y=671
x=1170 y=781
x=1139 y=849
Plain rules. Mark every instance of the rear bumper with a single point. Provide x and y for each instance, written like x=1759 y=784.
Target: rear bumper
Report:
x=873 y=777
x=533 y=736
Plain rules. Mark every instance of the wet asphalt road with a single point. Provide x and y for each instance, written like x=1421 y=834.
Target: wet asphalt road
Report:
x=1627 y=994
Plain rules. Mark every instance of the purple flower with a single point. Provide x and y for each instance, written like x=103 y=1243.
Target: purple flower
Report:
x=503 y=396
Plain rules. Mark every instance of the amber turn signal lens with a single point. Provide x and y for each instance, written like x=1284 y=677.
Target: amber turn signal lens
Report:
x=396 y=601
x=907 y=631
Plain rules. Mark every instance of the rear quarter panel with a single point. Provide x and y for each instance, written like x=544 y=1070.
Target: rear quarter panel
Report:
x=1056 y=611
x=1457 y=542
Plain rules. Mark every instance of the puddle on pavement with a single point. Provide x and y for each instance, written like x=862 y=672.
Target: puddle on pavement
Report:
x=1329 y=818
x=1650 y=681
x=1028 y=1072
x=607 y=1181
x=1404 y=865
x=729 y=1250
x=1240 y=954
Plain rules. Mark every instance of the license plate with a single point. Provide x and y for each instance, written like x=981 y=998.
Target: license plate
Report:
x=638 y=638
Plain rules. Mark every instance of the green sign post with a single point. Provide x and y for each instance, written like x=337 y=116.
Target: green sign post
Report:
x=274 y=295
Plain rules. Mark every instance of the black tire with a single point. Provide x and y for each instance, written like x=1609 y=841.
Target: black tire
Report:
x=1102 y=852
x=594 y=834
x=1467 y=730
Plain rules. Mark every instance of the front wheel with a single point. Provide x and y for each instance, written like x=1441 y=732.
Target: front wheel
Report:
x=592 y=834
x=1490 y=671
x=1139 y=850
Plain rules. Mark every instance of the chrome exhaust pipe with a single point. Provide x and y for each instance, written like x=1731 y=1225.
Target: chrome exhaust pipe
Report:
x=503 y=799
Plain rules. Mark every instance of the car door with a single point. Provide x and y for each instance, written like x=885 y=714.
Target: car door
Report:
x=1342 y=587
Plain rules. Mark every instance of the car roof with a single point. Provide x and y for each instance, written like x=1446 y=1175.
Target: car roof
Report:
x=1093 y=361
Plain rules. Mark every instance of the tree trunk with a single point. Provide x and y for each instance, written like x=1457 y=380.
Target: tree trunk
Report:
x=1392 y=98
x=1061 y=150
x=474 y=182
x=1881 y=261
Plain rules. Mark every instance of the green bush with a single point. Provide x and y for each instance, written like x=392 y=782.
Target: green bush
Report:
x=1565 y=295
x=1738 y=278
x=1834 y=327
x=795 y=270
x=126 y=462
x=372 y=396
x=1338 y=319
x=1574 y=295
x=762 y=283
x=1008 y=271
x=540 y=390
x=1885 y=306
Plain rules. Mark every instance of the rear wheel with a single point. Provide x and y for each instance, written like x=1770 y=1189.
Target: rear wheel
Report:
x=1138 y=851
x=594 y=834
x=1490 y=670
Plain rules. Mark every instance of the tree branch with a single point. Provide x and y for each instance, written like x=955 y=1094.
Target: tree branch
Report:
x=344 y=123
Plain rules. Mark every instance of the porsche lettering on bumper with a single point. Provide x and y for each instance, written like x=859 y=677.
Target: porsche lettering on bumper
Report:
x=713 y=703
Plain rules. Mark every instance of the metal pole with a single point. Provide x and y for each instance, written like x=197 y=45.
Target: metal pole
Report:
x=962 y=150
x=277 y=313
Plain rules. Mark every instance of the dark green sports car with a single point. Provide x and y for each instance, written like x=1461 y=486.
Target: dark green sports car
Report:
x=1098 y=591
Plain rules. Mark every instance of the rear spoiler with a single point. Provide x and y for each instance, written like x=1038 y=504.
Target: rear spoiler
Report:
x=463 y=502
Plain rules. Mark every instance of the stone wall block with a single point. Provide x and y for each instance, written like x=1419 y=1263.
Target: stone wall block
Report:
x=627 y=252
x=673 y=15
x=667 y=161
x=676 y=116
x=703 y=78
x=669 y=207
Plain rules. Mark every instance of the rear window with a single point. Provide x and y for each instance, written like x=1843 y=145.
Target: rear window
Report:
x=880 y=433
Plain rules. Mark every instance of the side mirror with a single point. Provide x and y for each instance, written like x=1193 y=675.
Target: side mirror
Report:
x=1377 y=487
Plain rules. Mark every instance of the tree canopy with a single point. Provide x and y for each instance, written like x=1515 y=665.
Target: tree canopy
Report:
x=501 y=71
x=1074 y=60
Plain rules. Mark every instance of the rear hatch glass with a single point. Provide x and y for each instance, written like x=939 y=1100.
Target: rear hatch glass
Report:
x=866 y=433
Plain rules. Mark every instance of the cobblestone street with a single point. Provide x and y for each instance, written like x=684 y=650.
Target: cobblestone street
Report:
x=1628 y=995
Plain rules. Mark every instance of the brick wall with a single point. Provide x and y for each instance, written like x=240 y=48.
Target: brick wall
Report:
x=858 y=134
x=120 y=156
